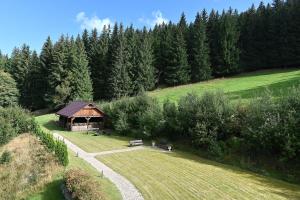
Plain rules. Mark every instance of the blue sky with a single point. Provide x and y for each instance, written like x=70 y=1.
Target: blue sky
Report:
x=31 y=21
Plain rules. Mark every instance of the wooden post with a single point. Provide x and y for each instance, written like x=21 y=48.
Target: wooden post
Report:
x=87 y=123
x=71 y=124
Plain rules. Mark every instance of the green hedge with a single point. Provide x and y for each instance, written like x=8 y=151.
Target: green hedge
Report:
x=57 y=146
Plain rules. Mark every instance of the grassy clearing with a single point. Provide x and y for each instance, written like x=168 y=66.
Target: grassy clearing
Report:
x=243 y=87
x=184 y=176
x=32 y=168
x=110 y=191
x=87 y=142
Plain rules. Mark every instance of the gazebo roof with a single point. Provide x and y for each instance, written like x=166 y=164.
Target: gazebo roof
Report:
x=72 y=108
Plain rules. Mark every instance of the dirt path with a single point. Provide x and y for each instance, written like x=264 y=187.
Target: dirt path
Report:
x=127 y=189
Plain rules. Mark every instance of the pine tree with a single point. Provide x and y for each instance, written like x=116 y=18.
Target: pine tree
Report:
x=131 y=49
x=81 y=85
x=20 y=66
x=118 y=82
x=144 y=71
x=46 y=60
x=59 y=79
x=34 y=85
x=228 y=45
x=200 y=66
x=214 y=40
x=98 y=70
x=177 y=68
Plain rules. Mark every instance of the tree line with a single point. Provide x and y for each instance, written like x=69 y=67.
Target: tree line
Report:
x=125 y=61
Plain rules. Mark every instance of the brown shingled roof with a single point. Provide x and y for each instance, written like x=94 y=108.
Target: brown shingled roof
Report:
x=72 y=108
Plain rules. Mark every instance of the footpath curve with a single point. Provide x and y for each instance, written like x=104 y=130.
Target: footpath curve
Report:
x=126 y=188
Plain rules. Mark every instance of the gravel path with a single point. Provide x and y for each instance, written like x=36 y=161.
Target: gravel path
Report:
x=127 y=189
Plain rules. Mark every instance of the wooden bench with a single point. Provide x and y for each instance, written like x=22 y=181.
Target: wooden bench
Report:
x=135 y=143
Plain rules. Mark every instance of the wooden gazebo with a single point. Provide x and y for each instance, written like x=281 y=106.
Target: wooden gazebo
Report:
x=81 y=116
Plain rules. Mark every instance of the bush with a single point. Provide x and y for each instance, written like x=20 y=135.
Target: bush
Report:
x=6 y=131
x=272 y=127
x=5 y=157
x=141 y=115
x=82 y=186
x=204 y=120
x=151 y=121
x=13 y=121
x=171 y=122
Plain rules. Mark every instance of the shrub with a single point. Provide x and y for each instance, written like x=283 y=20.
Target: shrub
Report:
x=82 y=186
x=121 y=124
x=272 y=127
x=204 y=119
x=151 y=121
x=171 y=123
x=5 y=157
x=6 y=131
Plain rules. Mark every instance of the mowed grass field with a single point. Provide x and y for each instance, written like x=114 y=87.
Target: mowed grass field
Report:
x=178 y=175
x=87 y=142
x=241 y=87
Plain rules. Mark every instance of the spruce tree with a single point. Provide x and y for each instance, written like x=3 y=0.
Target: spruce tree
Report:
x=200 y=64
x=81 y=85
x=34 y=85
x=99 y=69
x=144 y=73
x=118 y=81
x=46 y=59
x=214 y=39
x=20 y=66
x=59 y=78
x=177 y=68
x=228 y=45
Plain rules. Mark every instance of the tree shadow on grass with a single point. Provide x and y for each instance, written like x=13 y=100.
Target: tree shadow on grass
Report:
x=53 y=126
x=52 y=191
x=271 y=185
x=277 y=89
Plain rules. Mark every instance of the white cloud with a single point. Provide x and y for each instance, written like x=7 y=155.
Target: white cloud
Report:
x=157 y=18
x=93 y=22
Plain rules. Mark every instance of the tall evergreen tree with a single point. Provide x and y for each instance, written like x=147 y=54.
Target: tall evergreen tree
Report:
x=20 y=66
x=59 y=78
x=213 y=39
x=80 y=82
x=200 y=63
x=99 y=69
x=144 y=71
x=46 y=60
x=118 y=81
x=228 y=45
x=177 y=68
x=34 y=85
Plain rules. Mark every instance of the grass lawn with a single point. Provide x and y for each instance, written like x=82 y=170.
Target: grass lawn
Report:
x=52 y=190
x=244 y=86
x=87 y=142
x=180 y=175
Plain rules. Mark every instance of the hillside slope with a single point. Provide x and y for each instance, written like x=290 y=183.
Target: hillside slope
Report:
x=30 y=170
x=244 y=86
